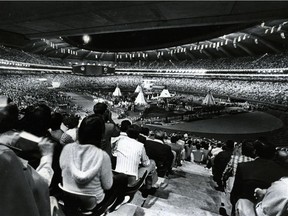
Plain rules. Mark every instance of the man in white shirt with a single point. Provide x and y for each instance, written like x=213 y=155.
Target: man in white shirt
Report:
x=131 y=156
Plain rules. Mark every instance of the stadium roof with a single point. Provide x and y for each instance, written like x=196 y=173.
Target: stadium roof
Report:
x=146 y=31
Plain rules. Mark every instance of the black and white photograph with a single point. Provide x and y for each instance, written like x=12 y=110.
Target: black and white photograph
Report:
x=144 y=108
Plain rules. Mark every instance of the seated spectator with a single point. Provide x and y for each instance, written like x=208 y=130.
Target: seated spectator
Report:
x=189 y=147
x=70 y=136
x=253 y=174
x=214 y=152
x=247 y=149
x=198 y=154
x=143 y=135
x=87 y=169
x=44 y=149
x=56 y=133
x=178 y=149
x=274 y=200
x=111 y=129
x=24 y=191
x=220 y=163
x=160 y=153
x=131 y=157
x=205 y=149
x=36 y=120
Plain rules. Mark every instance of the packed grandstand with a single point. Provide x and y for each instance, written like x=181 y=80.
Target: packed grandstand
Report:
x=37 y=85
x=133 y=133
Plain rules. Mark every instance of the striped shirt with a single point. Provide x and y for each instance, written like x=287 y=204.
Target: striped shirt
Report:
x=130 y=154
x=234 y=161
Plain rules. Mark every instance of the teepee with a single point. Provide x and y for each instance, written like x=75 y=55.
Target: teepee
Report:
x=140 y=99
x=209 y=99
x=138 y=89
x=165 y=94
x=117 y=92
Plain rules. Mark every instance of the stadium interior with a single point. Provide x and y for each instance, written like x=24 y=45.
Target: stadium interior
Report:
x=204 y=71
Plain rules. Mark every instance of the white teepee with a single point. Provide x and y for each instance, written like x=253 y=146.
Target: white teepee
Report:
x=117 y=92
x=209 y=99
x=140 y=99
x=165 y=94
x=138 y=89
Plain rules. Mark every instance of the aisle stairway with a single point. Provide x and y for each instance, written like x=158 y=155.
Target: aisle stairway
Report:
x=190 y=191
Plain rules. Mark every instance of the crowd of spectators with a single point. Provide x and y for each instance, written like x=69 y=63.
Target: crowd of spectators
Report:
x=22 y=88
x=268 y=91
x=16 y=55
x=26 y=90
x=239 y=170
x=267 y=61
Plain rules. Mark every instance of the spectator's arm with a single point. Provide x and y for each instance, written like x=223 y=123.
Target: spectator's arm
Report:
x=145 y=161
x=45 y=167
x=106 y=177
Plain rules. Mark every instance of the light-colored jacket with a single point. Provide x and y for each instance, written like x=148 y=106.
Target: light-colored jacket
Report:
x=86 y=169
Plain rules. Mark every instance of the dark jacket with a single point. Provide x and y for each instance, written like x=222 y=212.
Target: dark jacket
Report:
x=250 y=175
x=23 y=191
x=220 y=162
x=162 y=154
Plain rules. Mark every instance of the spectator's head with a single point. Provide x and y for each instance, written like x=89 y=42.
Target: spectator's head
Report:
x=36 y=120
x=8 y=117
x=282 y=156
x=229 y=145
x=205 y=145
x=174 y=139
x=145 y=131
x=198 y=146
x=152 y=135
x=248 y=148
x=100 y=108
x=219 y=144
x=185 y=136
x=125 y=125
x=91 y=130
x=159 y=134
x=264 y=149
x=133 y=131
x=71 y=121
x=56 y=121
